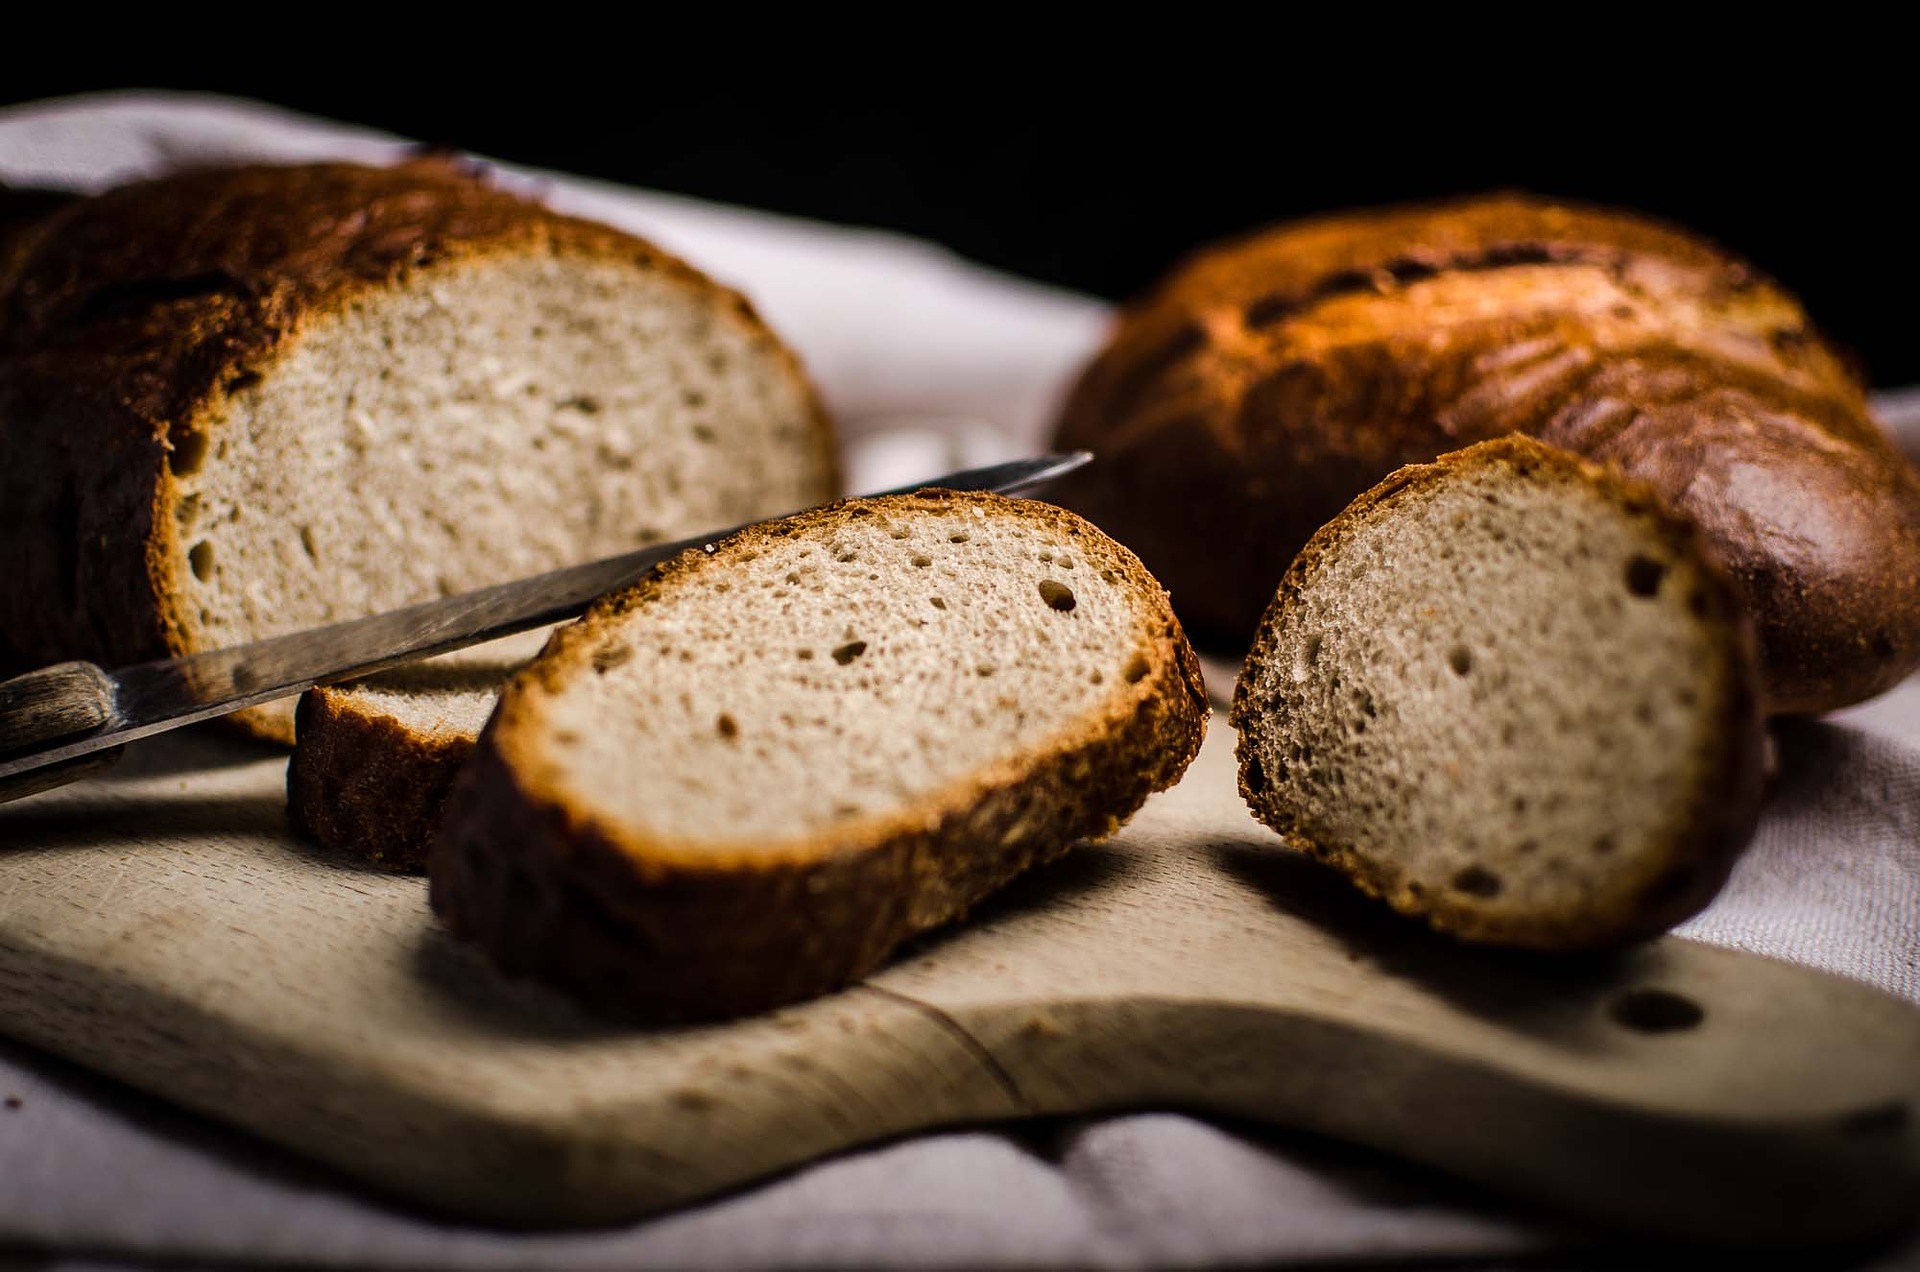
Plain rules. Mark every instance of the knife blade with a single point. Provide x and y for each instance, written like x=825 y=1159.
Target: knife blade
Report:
x=56 y=722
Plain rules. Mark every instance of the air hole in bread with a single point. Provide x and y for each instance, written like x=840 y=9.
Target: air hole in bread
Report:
x=1644 y=575
x=939 y=603
x=584 y=403
x=901 y=532
x=922 y=560
x=960 y=537
x=607 y=657
x=726 y=726
x=849 y=651
x=1255 y=777
x=1477 y=881
x=200 y=560
x=701 y=433
x=1136 y=669
x=1309 y=655
x=1655 y=1011
x=308 y=544
x=805 y=655
x=187 y=455
x=1057 y=595
x=1460 y=660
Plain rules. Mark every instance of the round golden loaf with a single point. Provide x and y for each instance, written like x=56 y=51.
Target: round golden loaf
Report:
x=1268 y=381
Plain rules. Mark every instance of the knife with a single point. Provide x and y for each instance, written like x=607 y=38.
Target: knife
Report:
x=63 y=722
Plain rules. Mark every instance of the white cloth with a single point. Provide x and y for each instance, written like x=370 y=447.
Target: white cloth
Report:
x=929 y=362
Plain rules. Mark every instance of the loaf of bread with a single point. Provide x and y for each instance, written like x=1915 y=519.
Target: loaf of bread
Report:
x=241 y=402
x=747 y=779
x=1512 y=694
x=374 y=760
x=1268 y=381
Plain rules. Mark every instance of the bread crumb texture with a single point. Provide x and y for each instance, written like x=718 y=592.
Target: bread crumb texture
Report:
x=839 y=729
x=1508 y=694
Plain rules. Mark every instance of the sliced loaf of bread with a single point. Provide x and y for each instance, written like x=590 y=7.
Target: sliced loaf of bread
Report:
x=750 y=777
x=241 y=402
x=1508 y=693
x=374 y=759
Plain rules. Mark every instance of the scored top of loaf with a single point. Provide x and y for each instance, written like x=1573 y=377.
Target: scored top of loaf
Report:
x=1264 y=278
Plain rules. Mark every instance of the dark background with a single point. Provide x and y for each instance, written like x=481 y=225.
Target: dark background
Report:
x=1097 y=174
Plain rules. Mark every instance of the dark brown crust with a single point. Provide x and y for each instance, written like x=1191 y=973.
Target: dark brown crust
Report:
x=688 y=931
x=126 y=320
x=363 y=782
x=1708 y=836
x=1268 y=381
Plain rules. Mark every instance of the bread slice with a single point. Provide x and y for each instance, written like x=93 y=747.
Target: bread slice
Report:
x=750 y=777
x=374 y=759
x=1508 y=693
x=241 y=402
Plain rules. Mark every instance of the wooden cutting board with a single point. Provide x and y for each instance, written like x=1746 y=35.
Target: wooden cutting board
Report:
x=162 y=926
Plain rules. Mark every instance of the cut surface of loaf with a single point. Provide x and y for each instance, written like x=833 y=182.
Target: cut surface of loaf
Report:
x=242 y=402
x=750 y=777
x=374 y=759
x=1507 y=693
x=1268 y=381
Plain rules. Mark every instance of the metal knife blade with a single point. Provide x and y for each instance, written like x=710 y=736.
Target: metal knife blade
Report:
x=57 y=716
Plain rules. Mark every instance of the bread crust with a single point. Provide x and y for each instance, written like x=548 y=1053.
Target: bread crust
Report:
x=127 y=319
x=1708 y=836
x=362 y=781
x=1268 y=381
x=663 y=929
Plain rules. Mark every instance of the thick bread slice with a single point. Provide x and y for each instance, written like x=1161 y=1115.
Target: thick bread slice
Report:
x=747 y=779
x=241 y=402
x=374 y=760
x=1510 y=694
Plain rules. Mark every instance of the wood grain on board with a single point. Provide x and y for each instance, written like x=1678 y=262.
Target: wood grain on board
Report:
x=161 y=925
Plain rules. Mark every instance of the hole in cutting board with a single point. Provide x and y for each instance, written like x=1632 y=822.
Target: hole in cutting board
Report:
x=1655 y=1011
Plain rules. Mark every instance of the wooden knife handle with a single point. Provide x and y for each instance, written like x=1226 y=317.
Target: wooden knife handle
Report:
x=48 y=706
x=61 y=701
